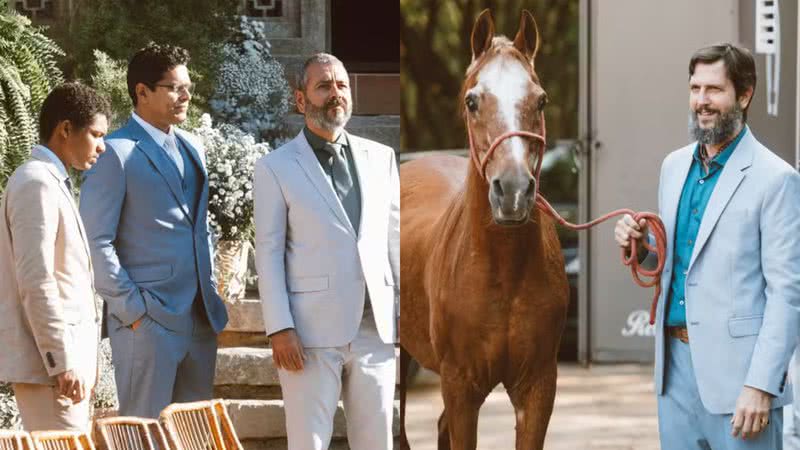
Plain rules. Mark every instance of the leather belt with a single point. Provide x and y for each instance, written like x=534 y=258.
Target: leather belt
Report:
x=679 y=333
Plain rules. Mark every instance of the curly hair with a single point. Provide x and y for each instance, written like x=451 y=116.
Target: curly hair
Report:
x=75 y=102
x=150 y=63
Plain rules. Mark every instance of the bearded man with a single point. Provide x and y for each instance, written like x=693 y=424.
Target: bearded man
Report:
x=727 y=320
x=327 y=210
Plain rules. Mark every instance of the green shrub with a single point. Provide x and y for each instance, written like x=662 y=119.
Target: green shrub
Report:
x=27 y=74
x=120 y=27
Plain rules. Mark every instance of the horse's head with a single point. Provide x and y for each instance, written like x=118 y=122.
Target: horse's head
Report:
x=502 y=95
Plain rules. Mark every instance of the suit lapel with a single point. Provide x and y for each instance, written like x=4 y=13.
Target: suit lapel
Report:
x=200 y=163
x=76 y=214
x=308 y=161
x=732 y=175
x=672 y=194
x=363 y=170
x=160 y=161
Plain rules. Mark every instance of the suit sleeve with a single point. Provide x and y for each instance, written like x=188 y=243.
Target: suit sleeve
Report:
x=394 y=224
x=102 y=196
x=780 y=264
x=270 y=216
x=34 y=224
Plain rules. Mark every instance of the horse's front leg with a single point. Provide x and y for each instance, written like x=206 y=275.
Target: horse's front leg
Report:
x=533 y=404
x=463 y=398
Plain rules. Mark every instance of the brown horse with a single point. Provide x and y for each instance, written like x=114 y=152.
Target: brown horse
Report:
x=485 y=294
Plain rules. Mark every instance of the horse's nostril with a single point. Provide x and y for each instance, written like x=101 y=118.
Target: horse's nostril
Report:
x=498 y=187
x=531 y=187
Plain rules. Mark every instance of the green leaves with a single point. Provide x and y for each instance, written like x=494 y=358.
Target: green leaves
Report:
x=28 y=72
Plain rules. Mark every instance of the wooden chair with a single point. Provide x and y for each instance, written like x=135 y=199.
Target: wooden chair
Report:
x=62 y=440
x=131 y=433
x=200 y=426
x=15 y=440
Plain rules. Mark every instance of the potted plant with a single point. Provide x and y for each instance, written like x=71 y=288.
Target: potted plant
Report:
x=231 y=156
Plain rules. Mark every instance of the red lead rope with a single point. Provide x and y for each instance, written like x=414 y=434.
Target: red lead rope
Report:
x=642 y=277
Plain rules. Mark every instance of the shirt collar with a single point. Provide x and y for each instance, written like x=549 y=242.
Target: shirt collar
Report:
x=57 y=162
x=159 y=136
x=317 y=142
x=725 y=154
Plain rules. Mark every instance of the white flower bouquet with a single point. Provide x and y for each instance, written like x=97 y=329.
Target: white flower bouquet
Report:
x=231 y=156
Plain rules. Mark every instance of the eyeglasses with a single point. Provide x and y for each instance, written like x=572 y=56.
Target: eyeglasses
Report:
x=178 y=88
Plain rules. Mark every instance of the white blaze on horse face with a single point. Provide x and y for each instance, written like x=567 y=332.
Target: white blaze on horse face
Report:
x=508 y=80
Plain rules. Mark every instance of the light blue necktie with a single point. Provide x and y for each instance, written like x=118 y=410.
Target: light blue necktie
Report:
x=172 y=150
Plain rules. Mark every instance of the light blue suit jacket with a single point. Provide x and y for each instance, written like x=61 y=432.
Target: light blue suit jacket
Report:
x=743 y=281
x=145 y=244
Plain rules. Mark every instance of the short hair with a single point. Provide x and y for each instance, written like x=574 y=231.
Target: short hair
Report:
x=319 y=58
x=740 y=66
x=75 y=102
x=149 y=64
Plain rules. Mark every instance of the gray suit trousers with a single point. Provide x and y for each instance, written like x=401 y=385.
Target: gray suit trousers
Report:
x=154 y=366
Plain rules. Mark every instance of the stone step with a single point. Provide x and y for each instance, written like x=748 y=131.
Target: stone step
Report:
x=245 y=316
x=251 y=366
x=265 y=419
x=249 y=373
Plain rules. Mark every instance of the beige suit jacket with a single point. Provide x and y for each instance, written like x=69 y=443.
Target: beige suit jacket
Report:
x=48 y=319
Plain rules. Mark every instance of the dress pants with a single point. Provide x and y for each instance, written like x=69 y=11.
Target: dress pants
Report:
x=42 y=409
x=154 y=366
x=362 y=373
x=685 y=424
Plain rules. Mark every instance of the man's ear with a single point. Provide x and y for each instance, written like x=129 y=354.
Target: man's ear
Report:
x=746 y=98
x=63 y=129
x=141 y=92
x=300 y=101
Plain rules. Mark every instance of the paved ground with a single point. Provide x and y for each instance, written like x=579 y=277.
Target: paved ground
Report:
x=604 y=407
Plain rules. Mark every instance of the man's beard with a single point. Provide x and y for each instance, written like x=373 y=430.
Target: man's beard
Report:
x=321 y=119
x=727 y=124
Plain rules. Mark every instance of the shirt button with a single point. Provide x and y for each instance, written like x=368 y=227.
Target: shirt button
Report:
x=682 y=302
x=690 y=242
x=694 y=211
x=702 y=181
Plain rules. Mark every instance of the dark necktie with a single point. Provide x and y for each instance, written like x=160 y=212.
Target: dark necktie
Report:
x=343 y=182
x=340 y=172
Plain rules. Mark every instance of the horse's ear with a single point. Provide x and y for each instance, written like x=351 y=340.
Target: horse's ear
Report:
x=527 y=39
x=482 y=34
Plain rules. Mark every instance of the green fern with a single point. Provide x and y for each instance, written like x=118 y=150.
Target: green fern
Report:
x=28 y=72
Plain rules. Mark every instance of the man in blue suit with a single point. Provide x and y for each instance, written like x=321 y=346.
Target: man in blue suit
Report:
x=728 y=319
x=144 y=205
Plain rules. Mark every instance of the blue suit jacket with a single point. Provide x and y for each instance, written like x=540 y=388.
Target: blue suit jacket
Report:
x=743 y=281
x=145 y=244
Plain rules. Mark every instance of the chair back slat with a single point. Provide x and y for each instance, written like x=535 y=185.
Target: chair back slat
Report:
x=15 y=440
x=61 y=440
x=200 y=426
x=132 y=433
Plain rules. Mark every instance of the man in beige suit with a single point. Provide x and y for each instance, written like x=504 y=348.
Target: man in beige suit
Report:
x=48 y=321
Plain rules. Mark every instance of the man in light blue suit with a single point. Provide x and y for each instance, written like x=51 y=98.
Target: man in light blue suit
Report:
x=727 y=320
x=144 y=205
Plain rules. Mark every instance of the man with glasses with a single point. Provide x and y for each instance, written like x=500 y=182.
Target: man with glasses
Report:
x=145 y=205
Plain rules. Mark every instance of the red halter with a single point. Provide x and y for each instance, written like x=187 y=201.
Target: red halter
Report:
x=654 y=222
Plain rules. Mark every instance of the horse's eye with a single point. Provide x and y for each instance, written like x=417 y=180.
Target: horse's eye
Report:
x=542 y=102
x=472 y=102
